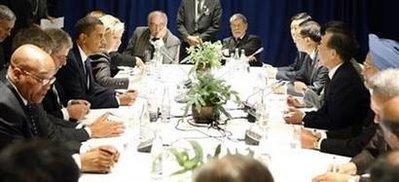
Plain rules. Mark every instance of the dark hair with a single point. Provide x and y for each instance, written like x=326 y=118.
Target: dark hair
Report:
x=311 y=29
x=86 y=25
x=6 y=14
x=37 y=160
x=233 y=168
x=301 y=16
x=385 y=168
x=33 y=35
x=342 y=40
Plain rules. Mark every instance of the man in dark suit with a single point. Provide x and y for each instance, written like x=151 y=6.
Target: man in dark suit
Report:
x=145 y=41
x=311 y=75
x=76 y=77
x=198 y=21
x=347 y=100
x=376 y=61
x=7 y=21
x=29 y=77
x=288 y=72
x=242 y=41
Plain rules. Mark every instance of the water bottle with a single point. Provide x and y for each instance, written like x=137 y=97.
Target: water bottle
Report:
x=244 y=61
x=165 y=106
x=157 y=157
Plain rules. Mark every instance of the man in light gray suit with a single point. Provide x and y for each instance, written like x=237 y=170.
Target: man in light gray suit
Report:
x=156 y=36
x=198 y=21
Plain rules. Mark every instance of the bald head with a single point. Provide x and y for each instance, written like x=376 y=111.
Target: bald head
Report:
x=31 y=57
x=32 y=72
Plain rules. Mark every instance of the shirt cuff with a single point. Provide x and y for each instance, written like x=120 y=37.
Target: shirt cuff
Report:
x=65 y=113
x=76 y=158
x=88 y=130
x=117 y=100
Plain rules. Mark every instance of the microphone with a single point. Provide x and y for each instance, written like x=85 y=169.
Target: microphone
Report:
x=257 y=52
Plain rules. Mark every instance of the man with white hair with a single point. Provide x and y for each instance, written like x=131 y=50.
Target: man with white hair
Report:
x=7 y=22
x=154 y=37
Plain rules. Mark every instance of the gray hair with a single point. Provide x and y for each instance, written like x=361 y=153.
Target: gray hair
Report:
x=60 y=38
x=386 y=83
x=6 y=14
x=238 y=16
x=158 y=13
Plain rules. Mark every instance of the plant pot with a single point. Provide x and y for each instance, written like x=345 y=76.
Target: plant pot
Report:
x=206 y=115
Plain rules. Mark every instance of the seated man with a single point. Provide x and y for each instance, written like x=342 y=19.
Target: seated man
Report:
x=29 y=77
x=347 y=100
x=387 y=141
x=76 y=78
x=377 y=60
x=7 y=21
x=233 y=168
x=288 y=72
x=145 y=41
x=312 y=75
x=242 y=41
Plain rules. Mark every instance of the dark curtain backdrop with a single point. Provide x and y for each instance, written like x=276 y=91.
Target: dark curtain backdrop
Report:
x=267 y=18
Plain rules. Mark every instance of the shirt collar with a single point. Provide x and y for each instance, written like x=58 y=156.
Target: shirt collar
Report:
x=313 y=55
x=19 y=94
x=82 y=54
x=332 y=71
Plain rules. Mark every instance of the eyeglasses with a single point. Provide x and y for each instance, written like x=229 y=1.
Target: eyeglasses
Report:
x=43 y=81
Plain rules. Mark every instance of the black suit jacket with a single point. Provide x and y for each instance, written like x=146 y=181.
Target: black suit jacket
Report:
x=288 y=72
x=50 y=103
x=250 y=43
x=312 y=74
x=376 y=147
x=335 y=143
x=74 y=84
x=347 y=102
x=15 y=123
x=208 y=24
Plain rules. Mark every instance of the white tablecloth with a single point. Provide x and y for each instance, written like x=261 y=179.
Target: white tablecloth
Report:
x=284 y=162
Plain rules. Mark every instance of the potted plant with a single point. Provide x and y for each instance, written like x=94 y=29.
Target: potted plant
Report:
x=206 y=98
x=205 y=56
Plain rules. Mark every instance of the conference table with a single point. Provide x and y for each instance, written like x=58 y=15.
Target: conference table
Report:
x=279 y=149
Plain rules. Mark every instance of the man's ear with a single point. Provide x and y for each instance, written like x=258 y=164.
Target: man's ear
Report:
x=82 y=38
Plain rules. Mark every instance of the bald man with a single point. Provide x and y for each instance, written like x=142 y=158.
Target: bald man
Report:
x=29 y=77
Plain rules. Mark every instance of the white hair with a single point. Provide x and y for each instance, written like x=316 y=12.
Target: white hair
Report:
x=112 y=24
x=386 y=83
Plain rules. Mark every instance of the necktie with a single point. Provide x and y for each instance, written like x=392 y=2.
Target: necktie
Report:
x=87 y=72
x=56 y=95
x=199 y=9
x=33 y=113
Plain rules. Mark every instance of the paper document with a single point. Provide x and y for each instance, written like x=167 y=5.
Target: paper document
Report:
x=55 y=23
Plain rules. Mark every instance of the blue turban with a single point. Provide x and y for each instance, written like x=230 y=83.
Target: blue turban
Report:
x=385 y=52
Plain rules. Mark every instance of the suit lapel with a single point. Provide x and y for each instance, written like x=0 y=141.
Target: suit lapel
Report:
x=78 y=60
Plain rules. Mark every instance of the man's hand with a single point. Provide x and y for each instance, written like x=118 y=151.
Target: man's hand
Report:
x=103 y=128
x=77 y=111
x=293 y=116
x=349 y=168
x=139 y=63
x=99 y=160
x=193 y=40
x=300 y=87
x=294 y=102
x=332 y=177
x=126 y=99
x=308 y=139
